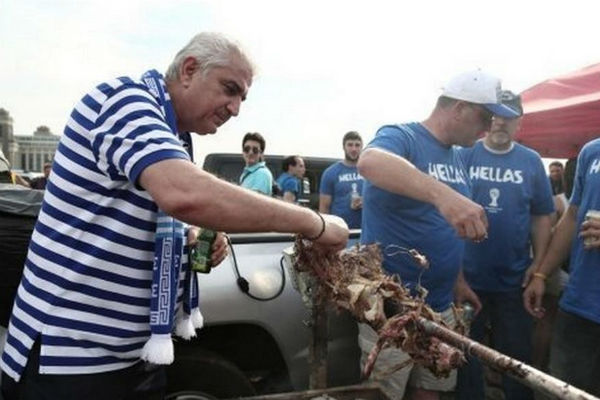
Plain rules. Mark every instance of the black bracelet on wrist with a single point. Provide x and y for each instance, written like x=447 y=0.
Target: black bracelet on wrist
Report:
x=322 y=228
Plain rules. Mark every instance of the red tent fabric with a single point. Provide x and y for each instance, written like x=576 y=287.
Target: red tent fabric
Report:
x=562 y=114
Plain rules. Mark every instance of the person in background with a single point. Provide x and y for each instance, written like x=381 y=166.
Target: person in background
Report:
x=98 y=302
x=416 y=196
x=508 y=180
x=40 y=183
x=556 y=282
x=290 y=181
x=7 y=175
x=569 y=175
x=574 y=353
x=555 y=177
x=341 y=184
x=256 y=175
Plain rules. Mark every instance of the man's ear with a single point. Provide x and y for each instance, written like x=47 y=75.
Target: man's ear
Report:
x=189 y=66
x=457 y=109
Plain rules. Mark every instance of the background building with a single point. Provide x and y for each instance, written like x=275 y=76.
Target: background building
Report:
x=26 y=152
x=7 y=142
x=34 y=151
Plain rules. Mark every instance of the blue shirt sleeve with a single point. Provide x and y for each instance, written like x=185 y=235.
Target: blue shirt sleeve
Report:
x=394 y=140
x=290 y=185
x=327 y=181
x=130 y=134
x=578 y=182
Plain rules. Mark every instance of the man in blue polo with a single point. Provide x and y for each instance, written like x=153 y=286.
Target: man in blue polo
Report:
x=341 y=184
x=416 y=195
x=510 y=183
x=575 y=350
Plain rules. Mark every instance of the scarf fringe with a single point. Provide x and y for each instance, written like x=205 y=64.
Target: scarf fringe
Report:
x=159 y=350
x=184 y=328
x=197 y=318
x=187 y=324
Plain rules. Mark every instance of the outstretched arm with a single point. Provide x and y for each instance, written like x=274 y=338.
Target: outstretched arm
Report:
x=192 y=195
x=396 y=174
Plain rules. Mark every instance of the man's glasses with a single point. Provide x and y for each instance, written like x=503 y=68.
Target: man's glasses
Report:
x=484 y=115
x=253 y=149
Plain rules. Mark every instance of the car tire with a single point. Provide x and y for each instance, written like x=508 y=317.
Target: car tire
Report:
x=188 y=395
x=206 y=373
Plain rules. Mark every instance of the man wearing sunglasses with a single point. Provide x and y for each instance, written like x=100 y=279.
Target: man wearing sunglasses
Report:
x=256 y=175
x=416 y=196
x=509 y=182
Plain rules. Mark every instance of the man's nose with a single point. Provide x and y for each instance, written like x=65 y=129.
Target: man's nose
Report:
x=498 y=120
x=234 y=106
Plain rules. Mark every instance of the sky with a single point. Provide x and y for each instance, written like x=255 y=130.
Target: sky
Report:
x=324 y=67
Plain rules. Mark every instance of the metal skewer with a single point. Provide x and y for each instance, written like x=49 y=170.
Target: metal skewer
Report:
x=526 y=374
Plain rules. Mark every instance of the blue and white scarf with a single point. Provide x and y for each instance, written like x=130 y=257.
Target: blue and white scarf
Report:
x=169 y=262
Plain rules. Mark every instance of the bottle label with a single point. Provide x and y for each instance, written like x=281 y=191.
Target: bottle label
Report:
x=354 y=197
x=201 y=252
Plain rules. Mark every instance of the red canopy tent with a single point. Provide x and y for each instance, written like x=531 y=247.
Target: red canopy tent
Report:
x=562 y=114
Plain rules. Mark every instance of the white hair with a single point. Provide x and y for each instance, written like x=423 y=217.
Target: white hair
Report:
x=210 y=50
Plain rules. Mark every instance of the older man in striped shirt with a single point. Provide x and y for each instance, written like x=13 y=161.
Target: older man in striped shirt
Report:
x=82 y=313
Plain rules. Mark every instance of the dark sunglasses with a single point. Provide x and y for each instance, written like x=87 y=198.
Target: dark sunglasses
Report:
x=254 y=150
x=484 y=114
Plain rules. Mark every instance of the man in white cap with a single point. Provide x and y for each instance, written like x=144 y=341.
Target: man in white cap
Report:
x=416 y=195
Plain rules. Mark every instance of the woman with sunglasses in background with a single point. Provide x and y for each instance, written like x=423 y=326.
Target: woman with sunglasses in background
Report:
x=255 y=176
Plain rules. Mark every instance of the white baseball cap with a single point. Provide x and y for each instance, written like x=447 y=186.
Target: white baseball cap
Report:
x=479 y=88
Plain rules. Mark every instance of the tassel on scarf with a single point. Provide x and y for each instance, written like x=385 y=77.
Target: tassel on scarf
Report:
x=197 y=318
x=185 y=327
x=189 y=317
x=159 y=349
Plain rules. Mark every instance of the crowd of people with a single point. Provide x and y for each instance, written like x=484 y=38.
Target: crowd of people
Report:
x=108 y=256
x=340 y=191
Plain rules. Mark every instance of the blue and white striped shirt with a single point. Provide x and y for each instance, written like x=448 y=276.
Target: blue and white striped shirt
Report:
x=85 y=291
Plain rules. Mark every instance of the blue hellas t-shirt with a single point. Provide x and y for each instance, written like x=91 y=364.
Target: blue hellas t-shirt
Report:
x=511 y=187
x=582 y=294
x=339 y=181
x=394 y=220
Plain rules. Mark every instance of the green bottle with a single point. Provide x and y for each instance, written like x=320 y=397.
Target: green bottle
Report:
x=201 y=252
